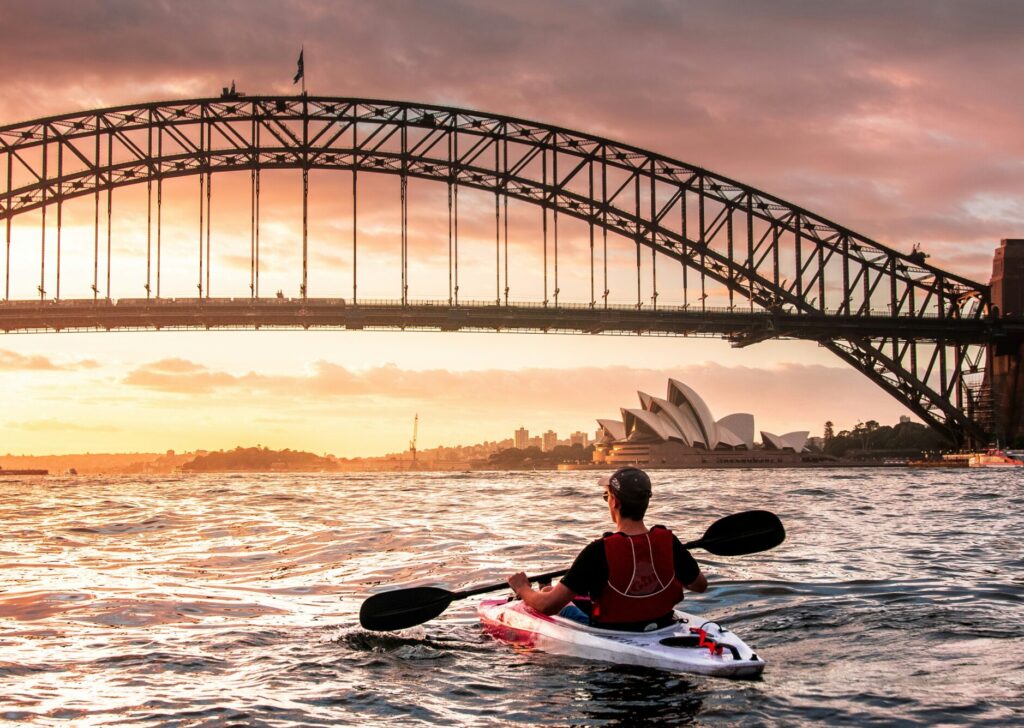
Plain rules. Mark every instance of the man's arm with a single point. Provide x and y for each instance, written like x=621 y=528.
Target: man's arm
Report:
x=546 y=601
x=687 y=569
x=700 y=584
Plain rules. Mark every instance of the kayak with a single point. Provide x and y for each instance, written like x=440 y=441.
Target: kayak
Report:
x=691 y=644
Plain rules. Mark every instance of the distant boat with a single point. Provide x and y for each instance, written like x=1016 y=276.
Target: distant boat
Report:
x=22 y=472
x=994 y=459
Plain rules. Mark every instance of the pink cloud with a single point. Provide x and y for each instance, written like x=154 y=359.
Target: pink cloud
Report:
x=13 y=361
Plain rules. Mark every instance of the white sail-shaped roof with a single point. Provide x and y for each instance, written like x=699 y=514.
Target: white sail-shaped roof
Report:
x=795 y=441
x=729 y=438
x=742 y=425
x=645 y=400
x=642 y=425
x=685 y=398
x=674 y=433
x=684 y=420
x=613 y=430
x=772 y=441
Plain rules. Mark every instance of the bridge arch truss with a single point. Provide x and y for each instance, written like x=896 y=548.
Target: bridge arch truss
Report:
x=918 y=331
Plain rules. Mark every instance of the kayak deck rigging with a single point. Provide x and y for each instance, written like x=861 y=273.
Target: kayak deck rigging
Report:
x=691 y=644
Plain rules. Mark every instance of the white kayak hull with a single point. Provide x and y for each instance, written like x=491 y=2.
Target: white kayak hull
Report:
x=515 y=623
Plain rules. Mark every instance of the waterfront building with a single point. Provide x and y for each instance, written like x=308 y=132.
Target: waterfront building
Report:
x=679 y=431
x=550 y=440
x=522 y=438
x=579 y=438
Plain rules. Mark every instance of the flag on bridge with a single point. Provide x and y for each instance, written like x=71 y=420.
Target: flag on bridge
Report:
x=300 y=71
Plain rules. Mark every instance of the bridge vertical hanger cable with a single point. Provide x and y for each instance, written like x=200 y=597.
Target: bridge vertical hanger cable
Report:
x=96 y=221
x=256 y=213
x=455 y=201
x=451 y=172
x=685 y=246
x=305 y=189
x=403 y=193
x=750 y=249
x=554 y=205
x=798 y=252
x=149 y=206
x=252 y=205
x=604 y=218
x=42 y=237
x=110 y=203
x=590 y=221
x=654 y=240
x=703 y=245
x=544 y=212
x=775 y=260
x=504 y=186
x=159 y=204
x=202 y=189
x=497 y=224
x=730 y=249
x=60 y=207
x=10 y=215
x=821 y=276
x=355 y=202
x=847 y=293
x=636 y=235
x=209 y=199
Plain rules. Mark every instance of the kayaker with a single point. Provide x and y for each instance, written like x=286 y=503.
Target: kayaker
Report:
x=633 y=577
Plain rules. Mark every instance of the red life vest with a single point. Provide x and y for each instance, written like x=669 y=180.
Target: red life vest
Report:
x=642 y=584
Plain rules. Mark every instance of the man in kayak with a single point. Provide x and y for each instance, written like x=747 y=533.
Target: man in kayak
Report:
x=634 y=577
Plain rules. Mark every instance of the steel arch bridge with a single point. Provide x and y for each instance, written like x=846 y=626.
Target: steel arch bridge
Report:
x=921 y=333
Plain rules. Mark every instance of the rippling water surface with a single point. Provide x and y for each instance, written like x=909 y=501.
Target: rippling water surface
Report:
x=232 y=599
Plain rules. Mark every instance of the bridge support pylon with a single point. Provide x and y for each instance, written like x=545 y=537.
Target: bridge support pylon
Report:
x=1006 y=353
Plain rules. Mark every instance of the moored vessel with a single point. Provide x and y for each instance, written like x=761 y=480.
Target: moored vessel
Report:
x=994 y=458
x=22 y=472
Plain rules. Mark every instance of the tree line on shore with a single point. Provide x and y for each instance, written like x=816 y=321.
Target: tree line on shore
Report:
x=867 y=438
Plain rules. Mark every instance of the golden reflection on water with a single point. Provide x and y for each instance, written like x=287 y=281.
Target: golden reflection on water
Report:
x=210 y=599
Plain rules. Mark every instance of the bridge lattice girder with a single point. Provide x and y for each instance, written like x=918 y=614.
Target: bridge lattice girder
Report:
x=772 y=255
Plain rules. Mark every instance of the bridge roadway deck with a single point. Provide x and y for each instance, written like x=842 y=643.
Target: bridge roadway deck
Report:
x=740 y=325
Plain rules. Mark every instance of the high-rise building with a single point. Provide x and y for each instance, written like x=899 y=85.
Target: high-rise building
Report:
x=535 y=441
x=550 y=441
x=579 y=438
x=522 y=438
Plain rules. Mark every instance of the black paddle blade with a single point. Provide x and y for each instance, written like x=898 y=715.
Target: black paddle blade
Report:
x=403 y=608
x=743 y=533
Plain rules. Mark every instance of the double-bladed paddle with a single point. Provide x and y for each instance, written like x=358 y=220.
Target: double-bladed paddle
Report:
x=741 y=533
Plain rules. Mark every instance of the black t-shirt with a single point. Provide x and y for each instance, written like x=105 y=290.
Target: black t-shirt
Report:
x=589 y=572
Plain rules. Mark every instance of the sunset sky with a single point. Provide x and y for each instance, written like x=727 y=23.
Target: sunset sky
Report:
x=900 y=120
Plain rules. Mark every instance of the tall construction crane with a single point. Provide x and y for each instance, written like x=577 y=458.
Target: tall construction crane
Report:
x=415 y=430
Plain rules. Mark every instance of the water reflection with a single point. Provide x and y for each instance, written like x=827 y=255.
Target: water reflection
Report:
x=216 y=600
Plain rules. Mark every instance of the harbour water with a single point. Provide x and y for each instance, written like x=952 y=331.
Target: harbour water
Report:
x=898 y=598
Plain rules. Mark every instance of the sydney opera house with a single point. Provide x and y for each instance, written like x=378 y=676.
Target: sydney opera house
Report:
x=679 y=431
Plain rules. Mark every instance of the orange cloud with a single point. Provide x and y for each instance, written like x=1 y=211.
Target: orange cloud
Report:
x=61 y=426
x=13 y=361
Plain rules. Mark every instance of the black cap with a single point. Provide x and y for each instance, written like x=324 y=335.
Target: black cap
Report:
x=630 y=484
